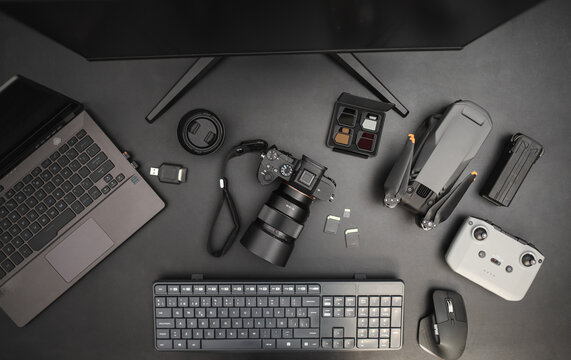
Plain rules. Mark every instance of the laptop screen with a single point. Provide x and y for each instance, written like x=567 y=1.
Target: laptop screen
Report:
x=27 y=111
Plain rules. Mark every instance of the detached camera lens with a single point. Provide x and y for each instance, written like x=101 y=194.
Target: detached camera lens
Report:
x=480 y=234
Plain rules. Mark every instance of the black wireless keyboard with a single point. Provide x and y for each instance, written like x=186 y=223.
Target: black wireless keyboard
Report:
x=269 y=315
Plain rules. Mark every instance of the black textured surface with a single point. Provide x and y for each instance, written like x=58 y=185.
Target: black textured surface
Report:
x=520 y=73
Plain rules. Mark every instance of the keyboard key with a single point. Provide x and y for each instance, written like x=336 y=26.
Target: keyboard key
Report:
x=97 y=161
x=93 y=150
x=46 y=175
x=232 y=344
x=86 y=200
x=74 y=165
x=164 y=344
x=84 y=171
x=54 y=168
x=41 y=208
x=71 y=154
x=63 y=161
x=101 y=171
x=50 y=201
x=11 y=204
x=81 y=133
x=77 y=207
x=69 y=198
x=86 y=184
x=7 y=265
x=288 y=344
x=10 y=193
x=165 y=323
x=72 y=141
x=83 y=158
x=20 y=197
x=17 y=242
x=54 y=156
x=108 y=178
x=9 y=249
x=57 y=180
x=395 y=338
x=396 y=313
x=306 y=333
x=50 y=232
x=78 y=191
x=40 y=194
x=31 y=202
x=43 y=220
x=84 y=144
x=49 y=187
x=5 y=224
x=28 y=190
x=120 y=177
x=75 y=179
x=16 y=258
x=58 y=194
x=66 y=173
x=25 y=251
x=367 y=343
x=26 y=235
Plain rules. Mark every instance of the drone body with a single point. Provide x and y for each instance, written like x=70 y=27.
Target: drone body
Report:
x=433 y=159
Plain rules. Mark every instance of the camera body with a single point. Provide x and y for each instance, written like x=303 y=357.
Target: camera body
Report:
x=494 y=259
x=280 y=221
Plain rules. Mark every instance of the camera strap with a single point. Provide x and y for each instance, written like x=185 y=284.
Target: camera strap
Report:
x=243 y=148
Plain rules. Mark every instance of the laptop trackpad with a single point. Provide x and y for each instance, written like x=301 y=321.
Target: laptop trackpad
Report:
x=79 y=250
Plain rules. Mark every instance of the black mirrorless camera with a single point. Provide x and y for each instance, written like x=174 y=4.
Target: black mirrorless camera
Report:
x=280 y=221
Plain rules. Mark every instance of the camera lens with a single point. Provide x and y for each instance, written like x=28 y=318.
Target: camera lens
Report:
x=280 y=221
x=480 y=234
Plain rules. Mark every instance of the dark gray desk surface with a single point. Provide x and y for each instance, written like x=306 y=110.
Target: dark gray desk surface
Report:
x=520 y=72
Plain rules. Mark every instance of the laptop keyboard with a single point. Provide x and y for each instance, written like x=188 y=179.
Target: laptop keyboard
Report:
x=50 y=196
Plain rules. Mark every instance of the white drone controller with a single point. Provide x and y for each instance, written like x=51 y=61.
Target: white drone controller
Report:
x=494 y=259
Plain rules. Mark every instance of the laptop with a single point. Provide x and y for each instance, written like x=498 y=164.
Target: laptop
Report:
x=68 y=197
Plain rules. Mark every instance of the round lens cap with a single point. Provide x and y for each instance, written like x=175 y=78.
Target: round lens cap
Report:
x=200 y=132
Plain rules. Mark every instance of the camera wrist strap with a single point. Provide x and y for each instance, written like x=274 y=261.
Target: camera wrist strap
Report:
x=243 y=148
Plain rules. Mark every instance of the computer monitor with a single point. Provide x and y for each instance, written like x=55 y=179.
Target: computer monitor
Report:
x=127 y=29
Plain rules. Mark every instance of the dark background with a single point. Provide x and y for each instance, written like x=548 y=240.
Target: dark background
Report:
x=520 y=73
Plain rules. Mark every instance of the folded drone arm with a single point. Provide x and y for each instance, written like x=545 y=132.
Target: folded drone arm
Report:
x=443 y=208
x=397 y=180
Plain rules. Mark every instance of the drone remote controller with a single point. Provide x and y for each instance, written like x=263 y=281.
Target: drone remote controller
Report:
x=494 y=259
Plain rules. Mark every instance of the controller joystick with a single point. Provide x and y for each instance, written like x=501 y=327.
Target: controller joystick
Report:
x=528 y=260
x=480 y=234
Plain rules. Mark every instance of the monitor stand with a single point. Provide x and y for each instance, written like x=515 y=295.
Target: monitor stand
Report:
x=347 y=60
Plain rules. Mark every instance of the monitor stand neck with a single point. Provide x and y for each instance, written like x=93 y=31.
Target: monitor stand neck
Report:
x=203 y=65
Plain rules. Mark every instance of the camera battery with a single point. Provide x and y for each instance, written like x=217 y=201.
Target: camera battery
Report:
x=510 y=172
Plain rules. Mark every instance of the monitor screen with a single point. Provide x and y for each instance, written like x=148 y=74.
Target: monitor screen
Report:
x=124 y=29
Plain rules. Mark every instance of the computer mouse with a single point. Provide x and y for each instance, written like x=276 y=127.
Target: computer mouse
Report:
x=443 y=333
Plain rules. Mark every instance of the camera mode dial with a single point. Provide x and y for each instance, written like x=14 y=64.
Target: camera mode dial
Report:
x=286 y=170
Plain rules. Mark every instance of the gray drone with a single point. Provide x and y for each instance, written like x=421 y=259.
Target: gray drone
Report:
x=433 y=159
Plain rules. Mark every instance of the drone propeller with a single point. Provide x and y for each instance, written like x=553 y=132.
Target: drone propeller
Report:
x=440 y=211
x=397 y=180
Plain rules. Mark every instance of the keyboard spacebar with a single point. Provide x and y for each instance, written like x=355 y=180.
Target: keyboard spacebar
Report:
x=50 y=232
x=232 y=344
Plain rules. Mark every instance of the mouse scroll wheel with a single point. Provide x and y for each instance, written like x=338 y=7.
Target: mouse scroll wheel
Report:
x=450 y=305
